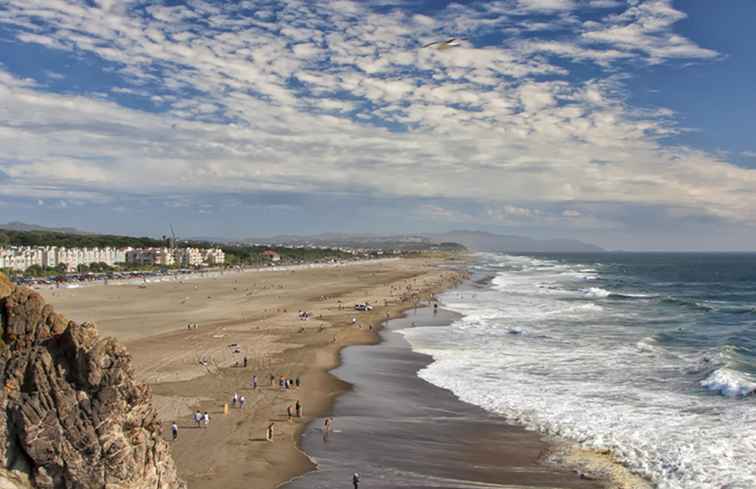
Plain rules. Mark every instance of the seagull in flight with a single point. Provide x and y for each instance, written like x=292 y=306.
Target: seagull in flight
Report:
x=443 y=45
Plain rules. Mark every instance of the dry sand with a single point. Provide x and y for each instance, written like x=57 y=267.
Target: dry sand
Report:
x=257 y=313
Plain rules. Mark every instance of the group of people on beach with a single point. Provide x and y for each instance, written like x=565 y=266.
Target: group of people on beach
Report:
x=201 y=419
x=294 y=410
x=237 y=399
x=284 y=382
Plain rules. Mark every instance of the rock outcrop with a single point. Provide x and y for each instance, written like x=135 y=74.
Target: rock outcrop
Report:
x=71 y=413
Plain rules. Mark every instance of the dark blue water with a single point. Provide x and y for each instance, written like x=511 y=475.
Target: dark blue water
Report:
x=652 y=356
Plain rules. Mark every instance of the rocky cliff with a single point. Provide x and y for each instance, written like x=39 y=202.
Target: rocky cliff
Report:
x=71 y=414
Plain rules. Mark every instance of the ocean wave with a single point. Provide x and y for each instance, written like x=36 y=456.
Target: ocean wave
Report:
x=729 y=383
x=648 y=378
x=691 y=304
x=730 y=308
x=648 y=345
x=598 y=292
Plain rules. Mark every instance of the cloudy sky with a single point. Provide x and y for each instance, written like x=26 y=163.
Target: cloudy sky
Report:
x=627 y=123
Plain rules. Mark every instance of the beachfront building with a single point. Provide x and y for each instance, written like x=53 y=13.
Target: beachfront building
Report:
x=189 y=257
x=19 y=258
x=150 y=256
x=22 y=257
x=182 y=257
x=272 y=255
x=214 y=257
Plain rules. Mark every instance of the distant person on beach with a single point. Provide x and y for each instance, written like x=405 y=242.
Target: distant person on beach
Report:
x=272 y=380
x=356 y=480
x=198 y=418
x=296 y=382
x=206 y=419
x=242 y=400
x=174 y=430
x=327 y=427
x=269 y=433
x=298 y=408
x=235 y=399
x=254 y=382
x=245 y=362
x=288 y=413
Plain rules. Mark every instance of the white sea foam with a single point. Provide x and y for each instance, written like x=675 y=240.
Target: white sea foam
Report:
x=570 y=373
x=648 y=344
x=729 y=383
x=597 y=292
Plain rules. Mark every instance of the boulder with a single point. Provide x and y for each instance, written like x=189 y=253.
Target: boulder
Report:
x=72 y=415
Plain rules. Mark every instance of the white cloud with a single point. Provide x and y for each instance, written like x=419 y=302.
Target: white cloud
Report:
x=645 y=27
x=251 y=104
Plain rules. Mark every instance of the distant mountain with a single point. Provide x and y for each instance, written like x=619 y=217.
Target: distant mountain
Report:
x=22 y=226
x=474 y=240
x=370 y=241
x=483 y=241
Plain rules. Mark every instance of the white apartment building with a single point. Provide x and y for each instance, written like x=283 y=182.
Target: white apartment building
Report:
x=150 y=256
x=189 y=257
x=22 y=257
x=214 y=257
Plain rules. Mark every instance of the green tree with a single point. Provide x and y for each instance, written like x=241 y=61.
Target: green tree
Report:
x=34 y=271
x=82 y=268
x=61 y=268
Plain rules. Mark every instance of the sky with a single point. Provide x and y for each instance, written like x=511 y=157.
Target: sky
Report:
x=624 y=123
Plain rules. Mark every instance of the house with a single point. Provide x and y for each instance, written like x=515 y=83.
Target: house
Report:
x=272 y=255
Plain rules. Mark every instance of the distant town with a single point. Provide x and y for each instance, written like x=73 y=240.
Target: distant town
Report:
x=66 y=255
x=63 y=260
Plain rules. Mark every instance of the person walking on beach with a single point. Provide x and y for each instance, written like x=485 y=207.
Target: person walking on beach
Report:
x=272 y=380
x=298 y=407
x=245 y=362
x=327 y=426
x=254 y=382
x=235 y=399
x=206 y=419
x=288 y=413
x=242 y=400
x=174 y=430
x=297 y=383
x=269 y=433
x=356 y=480
x=198 y=418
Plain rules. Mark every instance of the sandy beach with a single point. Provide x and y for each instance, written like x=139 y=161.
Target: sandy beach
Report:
x=189 y=339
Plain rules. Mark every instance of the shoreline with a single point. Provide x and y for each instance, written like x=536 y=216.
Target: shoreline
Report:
x=396 y=429
x=575 y=465
x=258 y=315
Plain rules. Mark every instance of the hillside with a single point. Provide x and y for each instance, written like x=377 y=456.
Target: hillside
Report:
x=483 y=241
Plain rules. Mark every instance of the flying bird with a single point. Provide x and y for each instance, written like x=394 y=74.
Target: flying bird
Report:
x=442 y=45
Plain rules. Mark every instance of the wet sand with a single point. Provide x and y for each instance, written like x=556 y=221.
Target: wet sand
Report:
x=396 y=430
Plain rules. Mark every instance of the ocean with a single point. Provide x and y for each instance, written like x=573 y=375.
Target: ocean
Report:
x=651 y=356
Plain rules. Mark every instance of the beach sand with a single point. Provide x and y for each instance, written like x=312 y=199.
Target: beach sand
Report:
x=252 y=315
